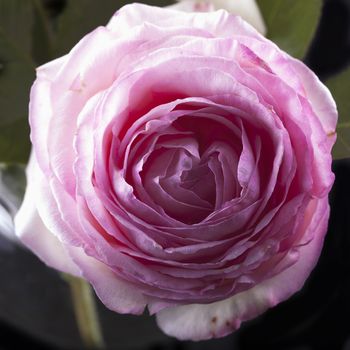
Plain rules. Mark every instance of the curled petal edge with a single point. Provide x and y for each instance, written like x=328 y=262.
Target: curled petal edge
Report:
x=215 y=320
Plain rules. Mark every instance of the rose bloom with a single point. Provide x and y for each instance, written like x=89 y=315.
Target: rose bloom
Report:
x=181 y=161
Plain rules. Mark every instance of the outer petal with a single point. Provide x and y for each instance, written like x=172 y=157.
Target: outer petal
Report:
x=319 y=96
x=296 y=74
x=40 y=113
x=35 y=235
x=219 y=23
x=48 y=71
x=118 y=295
x=40 y=108
x=200 y=322
x=193 y=6
x=247 y=9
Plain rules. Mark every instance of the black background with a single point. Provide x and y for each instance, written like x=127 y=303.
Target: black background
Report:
x=35 y=309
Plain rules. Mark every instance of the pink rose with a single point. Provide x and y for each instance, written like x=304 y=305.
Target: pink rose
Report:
x=181 y=162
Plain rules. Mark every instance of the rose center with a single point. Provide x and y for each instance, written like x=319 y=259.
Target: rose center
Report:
x=200 y=180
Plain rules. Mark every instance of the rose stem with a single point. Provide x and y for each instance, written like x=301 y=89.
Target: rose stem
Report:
x=83 y=299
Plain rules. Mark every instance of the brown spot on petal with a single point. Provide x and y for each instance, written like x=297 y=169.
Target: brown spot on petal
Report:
x=202 y=6
x=78 y=84
x=214 y=319
x=330 y=134
x=228 y=324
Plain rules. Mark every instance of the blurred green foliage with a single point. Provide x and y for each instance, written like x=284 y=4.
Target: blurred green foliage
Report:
x=16 y=76
x=339 y=86
x=291 y=24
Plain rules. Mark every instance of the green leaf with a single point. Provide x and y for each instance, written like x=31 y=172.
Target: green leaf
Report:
x=25 y=24
x=291 y=24
x=82 y=16
x=42 y=36
x=14 y=141
x=16 y=76
x=16 y=21
x=339 y=85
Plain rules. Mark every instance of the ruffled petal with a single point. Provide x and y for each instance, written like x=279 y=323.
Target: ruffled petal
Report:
x=200 y=322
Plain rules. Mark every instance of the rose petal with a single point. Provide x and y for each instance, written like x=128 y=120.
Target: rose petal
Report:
x=200 y=322
x=247 y=9
x=31 y=230
x=118 y=295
